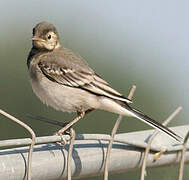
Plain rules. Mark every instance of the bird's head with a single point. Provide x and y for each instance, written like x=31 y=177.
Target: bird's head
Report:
x=45 y=36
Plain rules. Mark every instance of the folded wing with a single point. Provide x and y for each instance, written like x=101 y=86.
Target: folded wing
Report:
x=61 y=70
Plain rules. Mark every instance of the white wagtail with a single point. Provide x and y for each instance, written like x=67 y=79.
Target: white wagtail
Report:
x=64 y=81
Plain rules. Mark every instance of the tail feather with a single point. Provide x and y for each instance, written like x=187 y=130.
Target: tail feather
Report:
x=123 y=108
x=155 y=124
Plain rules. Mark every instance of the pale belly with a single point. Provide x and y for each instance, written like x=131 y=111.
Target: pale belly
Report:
x=62 y=97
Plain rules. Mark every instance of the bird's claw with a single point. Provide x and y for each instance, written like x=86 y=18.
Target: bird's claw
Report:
x=63 y=141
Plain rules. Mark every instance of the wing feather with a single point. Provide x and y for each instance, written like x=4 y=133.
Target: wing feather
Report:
x=64 y=73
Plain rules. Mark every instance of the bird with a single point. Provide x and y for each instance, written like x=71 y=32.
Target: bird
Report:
x=63 y=80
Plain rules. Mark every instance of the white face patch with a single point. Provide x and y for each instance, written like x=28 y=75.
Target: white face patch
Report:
x=49 y=42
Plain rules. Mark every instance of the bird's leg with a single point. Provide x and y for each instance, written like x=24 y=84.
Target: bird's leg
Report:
x=67 y=127
x=71 y=123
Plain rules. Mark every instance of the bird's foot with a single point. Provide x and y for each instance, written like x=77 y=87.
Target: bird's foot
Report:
x=63 y=141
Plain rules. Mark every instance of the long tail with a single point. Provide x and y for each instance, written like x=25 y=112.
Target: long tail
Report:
x=153 y=123
x=124 y=109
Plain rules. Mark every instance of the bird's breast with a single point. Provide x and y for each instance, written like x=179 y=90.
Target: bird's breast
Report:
x=59 y=96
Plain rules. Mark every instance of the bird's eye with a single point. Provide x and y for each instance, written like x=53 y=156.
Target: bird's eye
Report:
x=49 y=37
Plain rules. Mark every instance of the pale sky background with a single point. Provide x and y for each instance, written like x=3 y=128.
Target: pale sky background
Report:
x=127 y=42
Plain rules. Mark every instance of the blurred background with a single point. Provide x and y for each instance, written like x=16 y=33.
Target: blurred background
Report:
x=127 y=42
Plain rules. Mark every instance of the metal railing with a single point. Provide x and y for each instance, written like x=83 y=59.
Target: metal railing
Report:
x=88 y=156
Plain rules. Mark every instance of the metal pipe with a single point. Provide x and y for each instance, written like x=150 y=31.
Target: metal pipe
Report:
x=49 y=160
x=137 y=138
